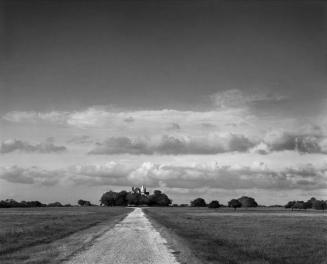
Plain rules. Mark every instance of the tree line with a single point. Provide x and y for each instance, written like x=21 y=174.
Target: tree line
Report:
x=158 y=198
x=311 y=203
x=11 y=203
x=243 y=201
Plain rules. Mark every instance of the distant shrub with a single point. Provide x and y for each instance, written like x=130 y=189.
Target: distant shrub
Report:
x=214 y=204
x=198 y=202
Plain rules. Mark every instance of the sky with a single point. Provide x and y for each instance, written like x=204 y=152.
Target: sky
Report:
x=212 y=99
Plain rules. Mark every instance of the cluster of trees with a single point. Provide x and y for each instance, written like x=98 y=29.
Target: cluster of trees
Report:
x=124 y=198
x=11 y=203
x=311 y=203
x=244 y=201
x=200 y=202
x=84 y=203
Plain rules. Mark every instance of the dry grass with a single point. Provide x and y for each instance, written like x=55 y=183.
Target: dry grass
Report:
x=32 y=229
x=248 y=236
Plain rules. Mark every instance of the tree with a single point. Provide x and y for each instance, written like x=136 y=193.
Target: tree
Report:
x=84 y=203
x=133 y=198
x=290 y=204
x=159 y=199
x=108 y=198
x=309 y=203
x=121 y=199
x=247 y=201
x=214 y=204
x=298 y=205
x=234 y=203
x=198 y=202
x=55 y=204
x=319 y=205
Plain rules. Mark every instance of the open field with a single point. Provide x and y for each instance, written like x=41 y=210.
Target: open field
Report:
x=248 y=235
x=27 y=232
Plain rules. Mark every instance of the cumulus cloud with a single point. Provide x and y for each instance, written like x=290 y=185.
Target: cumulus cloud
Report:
x=174 y=145
x=280 y=140
x=48 y=146
x=33 y=175
x=256 y=175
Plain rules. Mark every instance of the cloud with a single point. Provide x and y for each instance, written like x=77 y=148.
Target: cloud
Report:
x=84 y=139
x=129 y=119
x=147 y=120
x=33 y=175
x=121 y=145
x=236 y=98
x=208 y=125
x=48 y=146
x=279 y=140
x=172 y=176
x=174 y=145
x=174 y=126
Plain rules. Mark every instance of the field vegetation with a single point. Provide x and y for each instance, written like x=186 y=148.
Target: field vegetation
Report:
x=248 y=235
x=23 y=228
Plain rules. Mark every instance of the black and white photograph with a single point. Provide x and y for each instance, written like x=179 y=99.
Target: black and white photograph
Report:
x=163 y=132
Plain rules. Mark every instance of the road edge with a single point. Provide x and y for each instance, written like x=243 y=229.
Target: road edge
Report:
x=178 y=245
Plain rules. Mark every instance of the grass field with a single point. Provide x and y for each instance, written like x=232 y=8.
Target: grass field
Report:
x=23 y=229
x=248 y=236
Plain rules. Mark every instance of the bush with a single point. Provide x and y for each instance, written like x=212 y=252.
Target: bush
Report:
x=214 y=204
x=198 y=202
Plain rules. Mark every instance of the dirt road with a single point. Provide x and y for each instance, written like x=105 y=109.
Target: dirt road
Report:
x=133 y=240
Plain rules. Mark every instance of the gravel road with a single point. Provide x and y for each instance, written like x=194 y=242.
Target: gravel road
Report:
x=133 y=240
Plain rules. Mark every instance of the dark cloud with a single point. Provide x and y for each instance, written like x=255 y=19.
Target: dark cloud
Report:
x=17 y=145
